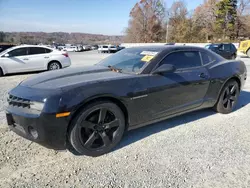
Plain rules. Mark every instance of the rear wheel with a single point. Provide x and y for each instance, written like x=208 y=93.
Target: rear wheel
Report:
x=97 y=129
x=54 y=65
x=234 y=56
x=228 y=97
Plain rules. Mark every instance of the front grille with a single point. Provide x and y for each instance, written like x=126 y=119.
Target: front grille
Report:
x=18 y=102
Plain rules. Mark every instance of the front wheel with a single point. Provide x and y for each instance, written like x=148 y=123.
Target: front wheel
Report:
x=97 y=129
x=228 y=98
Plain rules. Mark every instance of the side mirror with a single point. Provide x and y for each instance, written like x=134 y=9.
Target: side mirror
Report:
x=165 y=68
x=6 y=55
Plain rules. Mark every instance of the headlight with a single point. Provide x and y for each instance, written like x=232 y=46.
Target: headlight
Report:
x=36 y=105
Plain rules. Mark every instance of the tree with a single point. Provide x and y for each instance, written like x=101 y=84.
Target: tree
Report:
x=179 y=23
x=2 y=36
x=242 y=18
x=146 y=22
x=204 y=18
x=226 y=15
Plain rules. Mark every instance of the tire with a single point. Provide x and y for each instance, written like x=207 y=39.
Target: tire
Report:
x=228 y=97
x=234 y=56
x=97 y=129
x=54 y=65
x=1 y=72
x=248 y=53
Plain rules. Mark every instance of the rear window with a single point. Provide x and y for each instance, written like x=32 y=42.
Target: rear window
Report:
x=105 y=46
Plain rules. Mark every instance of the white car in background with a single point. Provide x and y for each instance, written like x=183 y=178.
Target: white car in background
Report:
x=71 y=49
x=103 y=49
x=113 y=49
x=27 y=58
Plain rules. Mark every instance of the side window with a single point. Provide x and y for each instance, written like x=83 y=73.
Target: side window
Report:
x=183 y=59
x=18 y=52
x=47 y=50
x=226 y=47
x=206 y=58
x=37 y=50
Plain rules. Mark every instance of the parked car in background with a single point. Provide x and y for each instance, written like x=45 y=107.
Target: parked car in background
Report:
x=27 y=58
x=171 y=43
x=61 y=47
x=121 y=48
x=79 y=48
x=5 y=46
x=94 y=47
x=244 y=47
x=86 y=47
x=113 y=49
x=71 y=48
x=103 y=49
x=226 y=50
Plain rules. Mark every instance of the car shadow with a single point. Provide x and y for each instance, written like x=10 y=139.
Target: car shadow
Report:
x=143 y=132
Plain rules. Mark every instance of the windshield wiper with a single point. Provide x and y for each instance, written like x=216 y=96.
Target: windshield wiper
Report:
x=114 y=69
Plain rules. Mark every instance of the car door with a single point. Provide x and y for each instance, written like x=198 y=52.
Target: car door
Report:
x=16 y=61
x=181 y=90
x=38 y=58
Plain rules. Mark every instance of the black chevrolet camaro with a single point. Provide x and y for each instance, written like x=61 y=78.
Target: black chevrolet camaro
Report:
x=88 y=109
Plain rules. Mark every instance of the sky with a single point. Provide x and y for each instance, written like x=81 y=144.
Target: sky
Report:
x=108 y=17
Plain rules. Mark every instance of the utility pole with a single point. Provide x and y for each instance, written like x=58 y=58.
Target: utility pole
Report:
x=167 y=33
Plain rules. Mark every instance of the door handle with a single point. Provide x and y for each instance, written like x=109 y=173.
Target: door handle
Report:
x=25 y=59
x=203 y=75
x=46 y=57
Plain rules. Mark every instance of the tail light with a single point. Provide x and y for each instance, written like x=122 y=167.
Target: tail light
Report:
x=66 y=54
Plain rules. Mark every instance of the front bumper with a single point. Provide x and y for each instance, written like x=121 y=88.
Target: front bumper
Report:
x=44 y=129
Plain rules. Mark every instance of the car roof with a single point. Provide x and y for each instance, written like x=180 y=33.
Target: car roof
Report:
x=169 y=47
x=28 y=45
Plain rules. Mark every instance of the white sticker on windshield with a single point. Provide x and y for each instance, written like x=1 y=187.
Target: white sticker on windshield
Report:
x=150 y=53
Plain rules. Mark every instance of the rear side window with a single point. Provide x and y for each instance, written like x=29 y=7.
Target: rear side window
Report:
x=18 y=52
x=233 y=47
x=37 y=50
x=183 y=59
x=47 y=50
x=206 y=58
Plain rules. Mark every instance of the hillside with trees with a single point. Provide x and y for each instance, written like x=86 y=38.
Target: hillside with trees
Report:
x=58 y=37
x=213 y=20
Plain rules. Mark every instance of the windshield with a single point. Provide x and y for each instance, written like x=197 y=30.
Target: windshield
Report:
x=7 y=50
x=130 y=60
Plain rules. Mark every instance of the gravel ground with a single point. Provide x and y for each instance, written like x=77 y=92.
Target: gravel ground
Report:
x=199 y=149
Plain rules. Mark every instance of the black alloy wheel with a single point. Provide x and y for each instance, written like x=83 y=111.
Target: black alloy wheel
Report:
x=97 y=129
x=228 y=98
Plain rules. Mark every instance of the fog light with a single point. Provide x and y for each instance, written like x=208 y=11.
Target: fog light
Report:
x=33 y=132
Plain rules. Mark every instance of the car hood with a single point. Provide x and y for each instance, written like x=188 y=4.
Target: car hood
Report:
x=72 y=76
